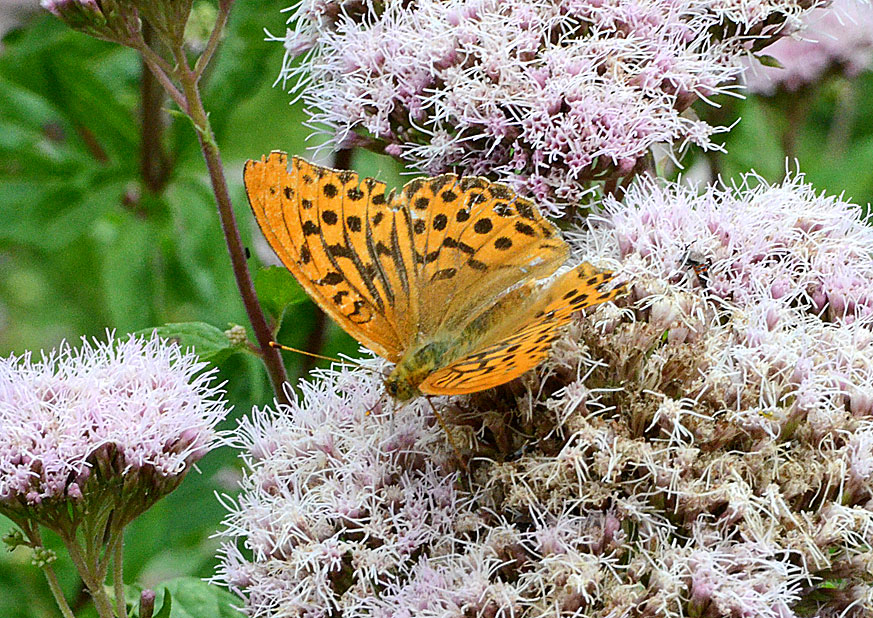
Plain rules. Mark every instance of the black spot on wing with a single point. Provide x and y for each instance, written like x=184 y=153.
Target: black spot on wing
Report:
x=523 y=228
x=329 y=217
x=525 y=208
x=331 y=278
x=483 y=226
x=500 y=192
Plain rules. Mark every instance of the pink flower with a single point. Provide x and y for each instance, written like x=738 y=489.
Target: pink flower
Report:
x=701 y=447
x=566 y=93
x=79 y=419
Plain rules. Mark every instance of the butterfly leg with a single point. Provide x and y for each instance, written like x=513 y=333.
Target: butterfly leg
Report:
x=445 y=427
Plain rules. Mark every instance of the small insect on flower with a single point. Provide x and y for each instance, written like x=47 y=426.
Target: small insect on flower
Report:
x=699 y=265
x=445 y=279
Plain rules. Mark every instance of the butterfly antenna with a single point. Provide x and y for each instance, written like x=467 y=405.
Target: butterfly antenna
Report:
x=276 y=344
x=445 y=427
x=341 y=361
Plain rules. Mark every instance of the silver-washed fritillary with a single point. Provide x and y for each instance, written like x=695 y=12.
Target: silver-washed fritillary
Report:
x=446 y=278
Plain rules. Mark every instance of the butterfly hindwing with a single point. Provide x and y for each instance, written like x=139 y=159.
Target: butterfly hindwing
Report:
x=312 y=223
x=521 y=342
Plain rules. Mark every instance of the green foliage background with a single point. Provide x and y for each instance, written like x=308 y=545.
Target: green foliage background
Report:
x=84 y=248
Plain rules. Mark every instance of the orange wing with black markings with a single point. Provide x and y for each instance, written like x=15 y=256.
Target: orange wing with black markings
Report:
x=343 y=243
x=501 y=356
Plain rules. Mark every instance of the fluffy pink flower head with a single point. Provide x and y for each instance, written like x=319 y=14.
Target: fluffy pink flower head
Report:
x=702 y=447
x=135 y=413
x=834 y=40
x=551 y=96
x=758 y=242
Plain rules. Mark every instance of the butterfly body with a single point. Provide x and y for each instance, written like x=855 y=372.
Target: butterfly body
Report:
x=447 y=278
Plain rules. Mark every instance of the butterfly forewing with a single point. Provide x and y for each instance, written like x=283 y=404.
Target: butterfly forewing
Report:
x=304 y=215
x=517 y=343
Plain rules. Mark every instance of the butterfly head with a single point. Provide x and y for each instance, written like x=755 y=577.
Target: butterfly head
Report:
x=400 y=388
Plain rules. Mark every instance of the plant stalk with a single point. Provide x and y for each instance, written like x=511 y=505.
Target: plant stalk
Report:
x=118 y=576
x=197 y=113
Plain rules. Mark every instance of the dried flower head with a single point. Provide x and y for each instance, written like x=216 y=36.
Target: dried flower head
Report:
x=121 y=421
x=704 y=450
x=837 y=40
x=550 y=96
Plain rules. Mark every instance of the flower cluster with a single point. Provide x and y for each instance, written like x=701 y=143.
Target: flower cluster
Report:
x=837 y=40
x=550 y=96
x=705 y=448
x=133 y=414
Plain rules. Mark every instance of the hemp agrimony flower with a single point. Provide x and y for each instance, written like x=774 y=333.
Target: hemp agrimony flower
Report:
x=92 y=437
x=550 y=96
x=700 y=449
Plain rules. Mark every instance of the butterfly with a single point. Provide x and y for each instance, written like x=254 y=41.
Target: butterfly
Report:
x=446 y=278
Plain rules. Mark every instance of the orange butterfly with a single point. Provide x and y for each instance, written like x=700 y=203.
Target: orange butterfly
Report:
x=445 y=279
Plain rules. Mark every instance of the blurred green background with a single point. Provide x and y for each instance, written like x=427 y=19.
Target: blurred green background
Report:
x=85 y=246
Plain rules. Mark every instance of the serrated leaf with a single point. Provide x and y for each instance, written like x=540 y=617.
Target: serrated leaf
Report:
x=277 y=289
x=208 y=342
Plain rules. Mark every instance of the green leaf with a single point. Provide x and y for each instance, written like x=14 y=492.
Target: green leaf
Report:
x=166 y=610
x=209 y=342
x=194 y=598
x=128 y=271
x=277 y=289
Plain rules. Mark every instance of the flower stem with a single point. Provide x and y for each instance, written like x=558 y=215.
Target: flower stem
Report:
x=86 y=565
x=153 y=162
x=57 y=593
x=197 y=113
x=214 y=38
x=118 y=576
x=31 y=529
